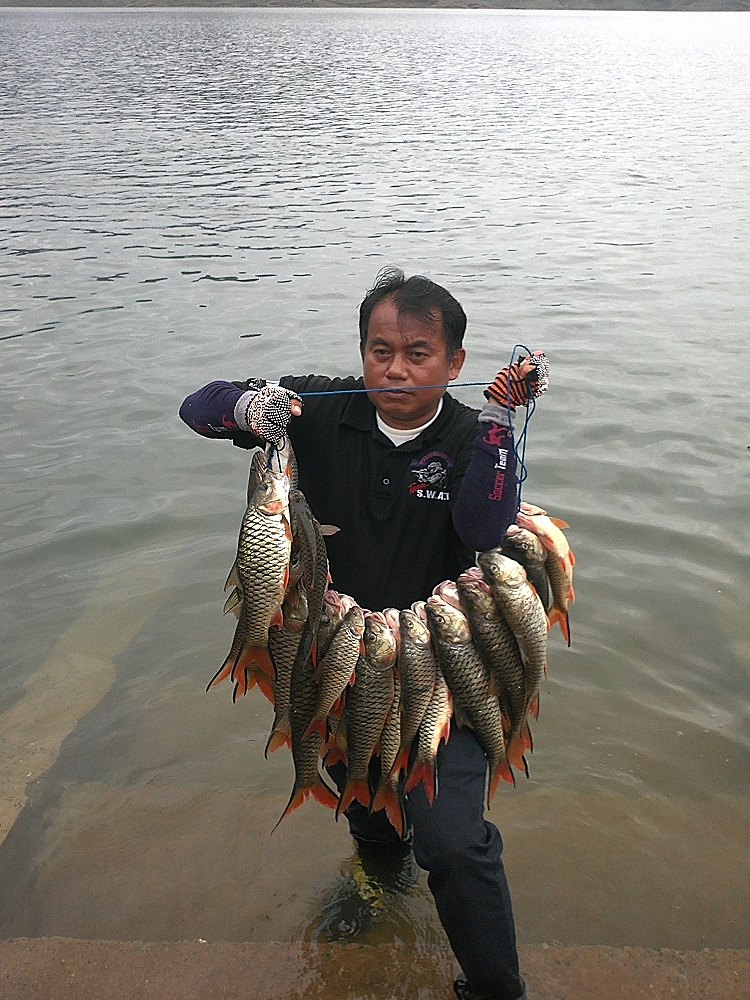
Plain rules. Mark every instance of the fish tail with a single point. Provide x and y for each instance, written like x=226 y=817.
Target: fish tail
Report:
x=497 y=772
x=423 y=772
x=387 y=798
x=559 y=617
x=224 y=671
x=296 y=799
x=323 y=794
x=280 y=736
x=515 y=751
x=526 y=738
x=357 y=790
x=400 y=764
x=258 y=656
x=335 y=755
x=316 y=726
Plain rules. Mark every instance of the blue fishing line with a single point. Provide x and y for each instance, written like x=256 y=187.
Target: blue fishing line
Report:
x=349 y=392
x=519 y=444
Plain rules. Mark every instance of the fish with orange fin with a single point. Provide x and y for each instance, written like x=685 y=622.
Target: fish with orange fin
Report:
x=305 y=749
x=416 y=668
x=526 y=548
x=559 y=562
x=387 y=795
x=262 y=571
x=498 y=648
x=434 y=729
x=474 y=703
x=335 y=670
x=523 y=611
x=283 y=641
x=367 y=705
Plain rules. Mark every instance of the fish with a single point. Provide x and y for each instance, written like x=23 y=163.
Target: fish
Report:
x=331 y=616
x=306 y=749
x=499 y=650
x=416 y=668
x=387 y=795
x=524 y=613
x=283 y=642
x=336 y=668
x=559 y=562
x=526 y=548
x=367 y=706
x=434 y=729
x=262 y=571
x=469 y=682
x=308 y=540
x=560 y=575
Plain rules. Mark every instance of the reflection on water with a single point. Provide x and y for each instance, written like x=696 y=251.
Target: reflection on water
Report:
x=195 y=194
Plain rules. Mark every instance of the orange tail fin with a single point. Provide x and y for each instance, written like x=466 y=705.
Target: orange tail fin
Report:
x=423 y=772
x=279 y=738
x=558 y=617
x=316 y=726
x=387 y=798
x=358 y=790
x=504 y=772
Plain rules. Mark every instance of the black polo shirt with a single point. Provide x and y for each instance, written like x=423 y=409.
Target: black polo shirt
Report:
x=391 y=504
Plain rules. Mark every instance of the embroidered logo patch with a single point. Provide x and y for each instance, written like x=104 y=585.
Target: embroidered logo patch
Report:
x=430 y=474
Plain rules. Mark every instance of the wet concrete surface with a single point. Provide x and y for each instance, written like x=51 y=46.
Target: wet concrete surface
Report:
x=52 y=968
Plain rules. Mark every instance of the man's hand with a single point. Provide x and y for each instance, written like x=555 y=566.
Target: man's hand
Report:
x=270 y=410
x=517 y=384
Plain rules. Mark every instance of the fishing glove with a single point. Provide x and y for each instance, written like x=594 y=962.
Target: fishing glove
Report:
x=266 y=409
x=516 y=385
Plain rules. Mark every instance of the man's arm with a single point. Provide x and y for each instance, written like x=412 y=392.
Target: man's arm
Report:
x=487 y=500
x=254 y=411
x=210 y=411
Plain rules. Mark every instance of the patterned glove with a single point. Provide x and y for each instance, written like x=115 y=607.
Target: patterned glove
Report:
x=268 y=409
x=517 y=384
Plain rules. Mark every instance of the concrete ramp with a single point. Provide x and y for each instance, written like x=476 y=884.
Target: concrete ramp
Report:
x=60 y=968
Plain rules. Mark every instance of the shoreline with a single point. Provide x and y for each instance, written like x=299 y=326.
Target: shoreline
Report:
x=609 y=6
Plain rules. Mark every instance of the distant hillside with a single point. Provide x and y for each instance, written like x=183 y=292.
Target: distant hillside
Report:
x=642 y=5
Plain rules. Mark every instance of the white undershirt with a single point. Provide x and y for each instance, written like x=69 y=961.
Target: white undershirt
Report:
x=401 y=437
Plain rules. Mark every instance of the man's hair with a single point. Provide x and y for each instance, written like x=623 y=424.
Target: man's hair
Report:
x=419 y=298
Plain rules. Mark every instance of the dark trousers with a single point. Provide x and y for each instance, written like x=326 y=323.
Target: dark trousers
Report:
x=462 y=853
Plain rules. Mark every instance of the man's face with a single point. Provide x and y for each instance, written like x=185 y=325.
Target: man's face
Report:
x=400 y=355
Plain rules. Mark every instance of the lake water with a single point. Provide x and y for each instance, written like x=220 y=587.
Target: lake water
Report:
x=195 y=194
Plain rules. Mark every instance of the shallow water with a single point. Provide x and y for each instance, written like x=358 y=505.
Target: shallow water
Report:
x=194 y=194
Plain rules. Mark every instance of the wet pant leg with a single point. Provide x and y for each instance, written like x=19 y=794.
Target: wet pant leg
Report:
x=462 y=853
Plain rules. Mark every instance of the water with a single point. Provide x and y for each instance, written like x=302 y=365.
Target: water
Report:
x=194 y=194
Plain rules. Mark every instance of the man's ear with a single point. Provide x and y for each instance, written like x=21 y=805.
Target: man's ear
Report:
x=457 y=363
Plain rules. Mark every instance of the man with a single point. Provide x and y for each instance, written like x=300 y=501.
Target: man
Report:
x=417 y=483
